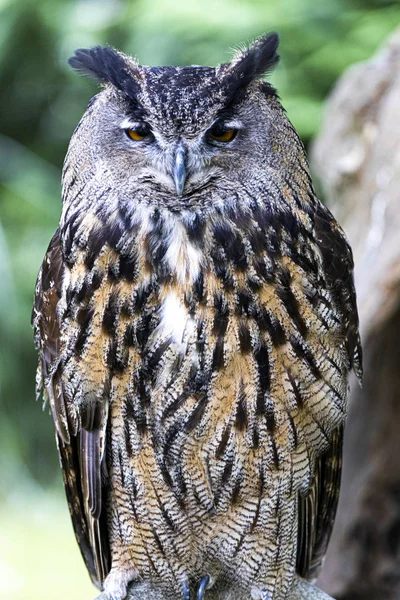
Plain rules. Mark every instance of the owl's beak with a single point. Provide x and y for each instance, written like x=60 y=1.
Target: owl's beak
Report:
x=179 y=169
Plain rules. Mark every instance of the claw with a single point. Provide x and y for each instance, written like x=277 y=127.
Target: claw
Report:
x=202 y=587
x=185 y=590
x=259 y=594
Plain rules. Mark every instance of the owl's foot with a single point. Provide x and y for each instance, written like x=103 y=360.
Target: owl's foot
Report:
x=117 y=581
x=260 y=594
x=205 y=582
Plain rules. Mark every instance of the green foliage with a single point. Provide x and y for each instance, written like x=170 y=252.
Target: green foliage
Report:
x=41 y=102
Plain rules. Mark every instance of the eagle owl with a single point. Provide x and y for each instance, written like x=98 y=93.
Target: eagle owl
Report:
x=196 y=322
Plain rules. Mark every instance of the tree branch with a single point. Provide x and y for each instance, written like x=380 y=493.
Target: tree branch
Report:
x=302 y=590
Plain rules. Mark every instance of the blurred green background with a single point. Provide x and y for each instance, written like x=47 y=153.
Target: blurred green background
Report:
x=41 y=101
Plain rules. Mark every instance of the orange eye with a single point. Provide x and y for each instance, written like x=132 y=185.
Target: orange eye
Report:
x=222 y=135
x=136 y=134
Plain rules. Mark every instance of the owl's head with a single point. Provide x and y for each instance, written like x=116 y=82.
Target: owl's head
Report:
x=179 y=130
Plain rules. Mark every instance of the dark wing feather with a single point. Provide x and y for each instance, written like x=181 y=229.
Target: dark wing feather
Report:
x=79 y=449
x=338 y=263
x=317 y=510
x=47 y=334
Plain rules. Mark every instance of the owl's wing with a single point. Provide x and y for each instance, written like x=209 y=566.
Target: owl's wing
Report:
x=317 y=510
x=79 y=448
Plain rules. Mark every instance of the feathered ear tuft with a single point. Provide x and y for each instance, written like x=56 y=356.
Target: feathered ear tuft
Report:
x=106 y=65
x=251 y=63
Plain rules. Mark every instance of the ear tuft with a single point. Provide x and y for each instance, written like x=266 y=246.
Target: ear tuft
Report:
x=251 y=63
x=106 y=65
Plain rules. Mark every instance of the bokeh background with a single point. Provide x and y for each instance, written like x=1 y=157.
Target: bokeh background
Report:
x=41 y=101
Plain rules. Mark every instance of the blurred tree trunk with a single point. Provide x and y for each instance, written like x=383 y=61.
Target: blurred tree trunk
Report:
x=357 y=158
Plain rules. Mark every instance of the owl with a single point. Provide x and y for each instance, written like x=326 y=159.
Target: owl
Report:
x=196 y=322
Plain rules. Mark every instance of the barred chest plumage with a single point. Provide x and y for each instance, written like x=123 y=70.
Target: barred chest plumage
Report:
x=210 y=333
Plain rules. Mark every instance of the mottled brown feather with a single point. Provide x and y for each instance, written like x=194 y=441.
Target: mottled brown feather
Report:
x=79 y=452
x=318 y=508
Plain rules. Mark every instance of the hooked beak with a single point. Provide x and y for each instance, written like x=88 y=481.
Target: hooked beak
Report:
x=179 y=169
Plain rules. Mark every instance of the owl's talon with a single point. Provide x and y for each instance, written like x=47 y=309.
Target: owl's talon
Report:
x=185 y=590
x=202 y=587
x=259 y=594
